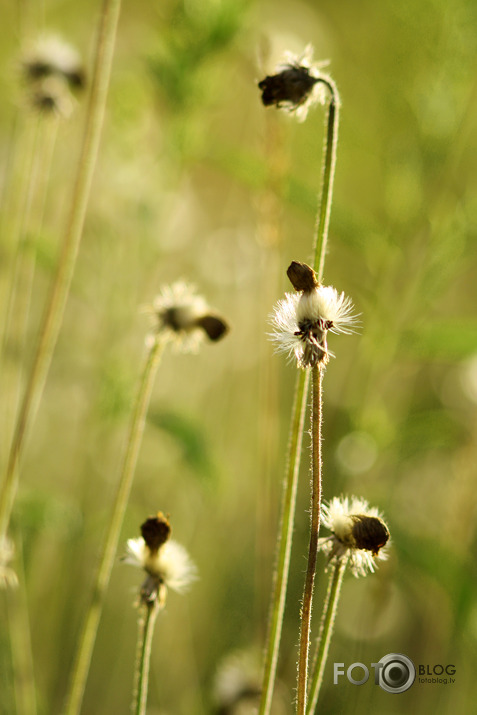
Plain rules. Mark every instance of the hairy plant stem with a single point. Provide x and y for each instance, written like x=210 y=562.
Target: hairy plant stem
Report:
x=93 y=615
x=67 y=260
x=286 y=534
x=298 y=416
x=146 y=630
x=326 y=631
x=316 y=469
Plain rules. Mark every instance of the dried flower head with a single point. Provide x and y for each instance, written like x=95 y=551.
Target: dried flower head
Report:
x=185 y=318
x=166 y=563
x=358 y=532
x=8 y=577
x=51 y=56
x=296 y=85
x=302 y=320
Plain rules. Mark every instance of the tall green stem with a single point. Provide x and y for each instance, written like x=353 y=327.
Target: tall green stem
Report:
x=298 y=417
x=326 y=631
x=74 y=228
x=285 y=542
x=146 y=630
x=316 y=470
x=329 y=163
x=93 y=615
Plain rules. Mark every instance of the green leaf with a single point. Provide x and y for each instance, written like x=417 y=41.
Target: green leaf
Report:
x=190 y=439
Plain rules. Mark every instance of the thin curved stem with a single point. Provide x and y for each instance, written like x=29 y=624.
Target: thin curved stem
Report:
x=285 y=540
x=316 y=469
x=59 y=293
x=146 y=631
x=93 y=615
x=329 y=162
x=326 y=631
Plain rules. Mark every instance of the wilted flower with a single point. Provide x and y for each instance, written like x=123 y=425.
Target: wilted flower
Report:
x=167 y=563
x=302 y=320
x=359 y=532
x=296 y=86
x=185 y=318
x=8 y=577
x=51 y=56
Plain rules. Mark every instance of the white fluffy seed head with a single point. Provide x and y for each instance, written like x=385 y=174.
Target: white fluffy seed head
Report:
x=301 y=320
x=171 y=564
x=340 y=516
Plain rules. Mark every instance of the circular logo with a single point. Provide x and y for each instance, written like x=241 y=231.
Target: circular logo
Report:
x=397 y=673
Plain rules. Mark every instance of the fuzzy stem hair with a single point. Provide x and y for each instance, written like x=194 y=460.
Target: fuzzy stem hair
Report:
x=316 y=470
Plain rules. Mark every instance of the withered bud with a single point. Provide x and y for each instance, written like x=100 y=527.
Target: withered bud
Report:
x=369 y=532
x=291 y=86
x=302 y=276
x=156 y=531
x=214 y=326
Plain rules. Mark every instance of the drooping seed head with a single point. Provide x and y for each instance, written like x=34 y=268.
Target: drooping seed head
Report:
x=184 y=317
x=295 y=86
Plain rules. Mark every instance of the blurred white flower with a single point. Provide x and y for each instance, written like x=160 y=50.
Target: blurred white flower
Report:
x=182 y=316
x=167 y=563
x=358 y=532
x=51 y=55
x=8 y=577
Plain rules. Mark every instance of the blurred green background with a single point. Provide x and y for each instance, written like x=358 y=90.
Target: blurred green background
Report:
x=196 y=180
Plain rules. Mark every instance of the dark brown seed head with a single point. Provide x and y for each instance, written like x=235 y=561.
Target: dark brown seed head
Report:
x=369 y=532
x=302 y=276
x=290 y=86
x=214 y=326
x=155 y=531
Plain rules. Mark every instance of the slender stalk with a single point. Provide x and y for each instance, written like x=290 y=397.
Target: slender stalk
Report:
x=329 y=163
x=316 y=469
x=93 y=615
x=326 y=631
x=298 y=416
x=20 y=639
x=59 y=293
x=285 y=541
x=19 y=302
x=146 y=630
